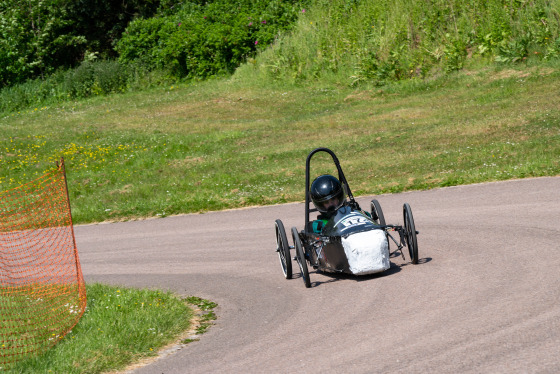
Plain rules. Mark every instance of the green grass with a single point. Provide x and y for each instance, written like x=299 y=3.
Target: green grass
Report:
x=120 y=326
x=207 y=315
x=225 y=144
x=376 y=42
x=34 y=317
x=242 y=141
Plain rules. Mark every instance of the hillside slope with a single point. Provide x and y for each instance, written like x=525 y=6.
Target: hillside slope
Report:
x=356 y=42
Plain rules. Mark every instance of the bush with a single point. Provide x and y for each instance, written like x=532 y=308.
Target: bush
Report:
x=96 y=78
x=42 y=36
x=91 y=78
x=213 y=39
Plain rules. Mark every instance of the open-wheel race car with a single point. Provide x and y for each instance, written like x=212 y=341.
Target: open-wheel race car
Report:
x=343 y=238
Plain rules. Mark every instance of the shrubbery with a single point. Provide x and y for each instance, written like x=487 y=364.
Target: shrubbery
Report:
x=91 y=78
x=349 y=41
x=387 y=40
x=194 y=39
x=206 y=40
x=39 y=37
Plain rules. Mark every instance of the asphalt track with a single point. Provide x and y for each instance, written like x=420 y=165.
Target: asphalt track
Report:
x=485 y=297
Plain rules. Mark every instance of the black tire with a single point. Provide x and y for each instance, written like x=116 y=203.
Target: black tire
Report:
x=410 y=233
x=379 y=219
x=302 y=262
x=377 y=213
x=283 y=249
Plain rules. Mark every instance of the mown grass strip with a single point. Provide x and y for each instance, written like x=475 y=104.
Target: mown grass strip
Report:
x=226 y=144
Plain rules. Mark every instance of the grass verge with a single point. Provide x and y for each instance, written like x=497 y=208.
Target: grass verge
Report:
x=226 y=143
x=120 y=326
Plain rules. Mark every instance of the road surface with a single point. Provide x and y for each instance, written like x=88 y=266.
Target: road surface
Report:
x=485 y=297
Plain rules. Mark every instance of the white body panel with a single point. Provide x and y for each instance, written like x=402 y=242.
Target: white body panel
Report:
x=367 y=252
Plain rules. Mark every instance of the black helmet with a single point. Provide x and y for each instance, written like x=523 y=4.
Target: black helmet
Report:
x=323 y=189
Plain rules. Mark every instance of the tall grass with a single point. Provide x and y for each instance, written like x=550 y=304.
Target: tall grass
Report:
x=90 y=79
x=373 y=42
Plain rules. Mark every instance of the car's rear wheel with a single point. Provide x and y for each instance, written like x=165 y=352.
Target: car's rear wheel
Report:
x=283 y=249
x=302 y=262
x=410 y=233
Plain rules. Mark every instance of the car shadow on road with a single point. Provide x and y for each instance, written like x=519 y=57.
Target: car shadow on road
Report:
x=335 y=277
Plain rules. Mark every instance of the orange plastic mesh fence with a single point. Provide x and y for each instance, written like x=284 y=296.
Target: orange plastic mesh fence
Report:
x=42 y=290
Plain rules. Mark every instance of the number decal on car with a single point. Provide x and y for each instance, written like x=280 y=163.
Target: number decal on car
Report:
x=352 y=220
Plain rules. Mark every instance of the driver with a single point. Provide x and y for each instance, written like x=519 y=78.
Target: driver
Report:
x=328 y=195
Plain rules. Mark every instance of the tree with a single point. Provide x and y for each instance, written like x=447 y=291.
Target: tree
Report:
x=38 y=37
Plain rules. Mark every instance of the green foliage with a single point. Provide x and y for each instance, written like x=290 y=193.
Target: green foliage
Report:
x=194 y=40
x=200 y=41
x=102 y=22
x=91 y=78
x=207 y=315
x=513 y=51
x=69 y=44
x=34 y=40
x=203 y=304
x=388 y=40
x=39 y=37
x=95 y=79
